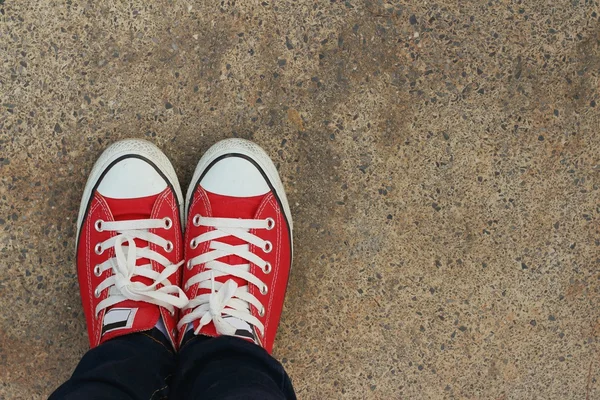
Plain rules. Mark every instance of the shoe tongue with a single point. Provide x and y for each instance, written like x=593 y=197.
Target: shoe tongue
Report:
x=129 y=209
x=130 y=314
x=132 y=209
x=235 y=207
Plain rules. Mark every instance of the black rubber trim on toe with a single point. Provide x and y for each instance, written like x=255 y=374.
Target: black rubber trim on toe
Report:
x=264 y=175
x=112 y=164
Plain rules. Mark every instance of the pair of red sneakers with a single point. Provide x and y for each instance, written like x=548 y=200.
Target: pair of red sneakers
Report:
x=217 y=264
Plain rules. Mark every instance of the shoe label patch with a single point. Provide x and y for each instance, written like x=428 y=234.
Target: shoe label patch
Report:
x=118 y=318
x=242 y=328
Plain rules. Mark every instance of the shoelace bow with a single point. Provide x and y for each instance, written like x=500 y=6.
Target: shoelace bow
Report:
x=120 y=284
x=228 y=298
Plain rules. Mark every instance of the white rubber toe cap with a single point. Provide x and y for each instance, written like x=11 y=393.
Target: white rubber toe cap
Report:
x=236 y=177
x=131 y=178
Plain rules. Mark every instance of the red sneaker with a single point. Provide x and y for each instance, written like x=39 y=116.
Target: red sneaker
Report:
x=238 y=245
x=130 y=243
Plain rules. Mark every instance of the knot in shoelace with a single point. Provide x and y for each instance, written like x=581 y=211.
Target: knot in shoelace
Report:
x=227 y=299
x=216 y=304
x=124 y=266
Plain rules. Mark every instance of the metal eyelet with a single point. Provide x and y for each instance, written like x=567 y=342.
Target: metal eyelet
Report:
x=268 y=268
x=98 y=225
x=193 y=244
x=97 y=271
x=268 y=247
x=261 y=312
x=270 y=223
x=98 y=249
x=189 y=265
x=97 y=293
x=186 y=286
x=169 y=247
x=168 y=222
x=264 y=289
x=196 y=220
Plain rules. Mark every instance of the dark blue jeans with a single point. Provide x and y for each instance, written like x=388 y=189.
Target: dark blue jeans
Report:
x=144 y=366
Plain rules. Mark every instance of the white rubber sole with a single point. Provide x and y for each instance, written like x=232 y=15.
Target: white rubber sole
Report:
x=250 y=150
x=127 y=147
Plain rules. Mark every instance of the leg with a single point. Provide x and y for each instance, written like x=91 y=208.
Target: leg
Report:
x=227 y=367
x=129 y=253
x=135 y=366
x=238 y=251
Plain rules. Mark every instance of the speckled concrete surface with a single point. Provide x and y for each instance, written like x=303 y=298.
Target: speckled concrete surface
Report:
x=441 y=160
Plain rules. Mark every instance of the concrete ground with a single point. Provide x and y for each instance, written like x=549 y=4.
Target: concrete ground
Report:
x=440 y=157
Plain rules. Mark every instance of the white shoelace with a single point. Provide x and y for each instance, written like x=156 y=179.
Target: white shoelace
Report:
x=124 y=266
x=227 y=299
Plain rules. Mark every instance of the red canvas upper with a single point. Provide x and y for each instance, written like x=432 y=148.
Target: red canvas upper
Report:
x=142 y=316
x=262 y=207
